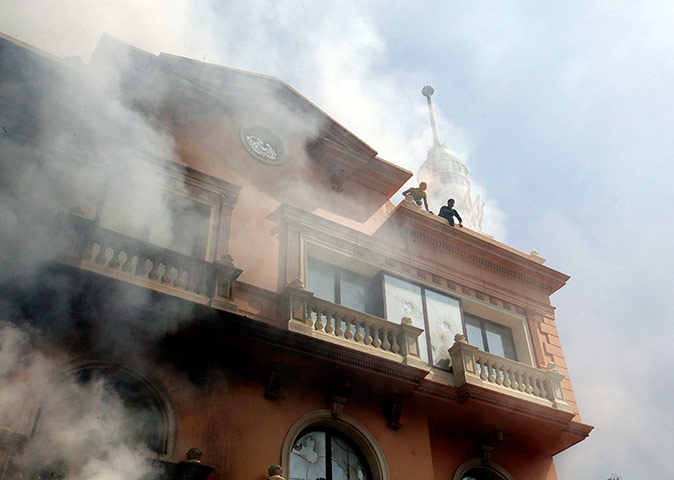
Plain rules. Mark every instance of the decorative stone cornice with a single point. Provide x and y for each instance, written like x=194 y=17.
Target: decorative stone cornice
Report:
x=480 y=260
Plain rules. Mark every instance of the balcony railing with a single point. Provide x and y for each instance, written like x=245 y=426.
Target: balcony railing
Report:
x=80 y=242
x=475 y=367
x=338 y=324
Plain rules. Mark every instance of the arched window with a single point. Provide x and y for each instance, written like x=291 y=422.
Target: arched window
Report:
x=327 y=453
x=319 y=446
x=476 y=469
x=146 y=412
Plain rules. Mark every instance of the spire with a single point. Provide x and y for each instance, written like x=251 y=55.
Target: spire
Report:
x=427 y=91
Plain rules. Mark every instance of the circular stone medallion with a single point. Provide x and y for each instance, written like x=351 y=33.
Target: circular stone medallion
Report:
x=263 y=144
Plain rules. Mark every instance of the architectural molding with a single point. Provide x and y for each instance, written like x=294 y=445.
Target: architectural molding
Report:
x=481 y=260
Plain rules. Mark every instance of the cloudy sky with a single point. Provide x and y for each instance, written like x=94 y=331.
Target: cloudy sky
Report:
x=563 y=112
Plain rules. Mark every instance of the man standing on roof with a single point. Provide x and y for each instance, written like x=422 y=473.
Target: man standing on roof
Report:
x=418 y=194
x=449 y=213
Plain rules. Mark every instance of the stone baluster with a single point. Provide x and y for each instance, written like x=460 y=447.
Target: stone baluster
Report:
x=166 y=278
x=522 y=382
x=115 y=261
x=309 y=320
x=358 y=337
x=128 y=263
x=368 y=338
x=318 y=325
x=329 y=319
x=349 y=325
x=141 y=271
x=500 y=373
x=507 y=376
x=534 y=383
x=386 y=345
x=181 y=278
x=492 y=371
x=483 y=368
x=376 y=333
x=339 y=331
x=101 y=258
x=395 y=347
x=154 y=273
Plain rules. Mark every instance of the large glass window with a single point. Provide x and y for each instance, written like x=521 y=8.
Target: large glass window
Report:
x=439 y=315
x=338 y=285
x=327 y=454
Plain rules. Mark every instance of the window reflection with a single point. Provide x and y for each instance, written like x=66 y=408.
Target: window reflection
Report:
x=490 y=337
x=309 y=459
x=338 y=285
x=444 y=322
x=404 y=299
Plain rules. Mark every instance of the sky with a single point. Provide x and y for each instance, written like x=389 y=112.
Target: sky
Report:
x=562 y=111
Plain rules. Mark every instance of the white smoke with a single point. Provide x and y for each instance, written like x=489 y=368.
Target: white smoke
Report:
x=83 y=430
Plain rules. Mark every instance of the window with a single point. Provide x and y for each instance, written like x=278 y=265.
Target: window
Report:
x=481 y=473
x=439 y=315
x=144 y=413
x=157 y=216
x=490 y=337
x=327 y=454
x=98 y=411
x=441 y=318
x=341 y=286
x=476 y=469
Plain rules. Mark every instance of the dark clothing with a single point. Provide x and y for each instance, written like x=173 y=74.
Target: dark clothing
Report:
x=449 y=214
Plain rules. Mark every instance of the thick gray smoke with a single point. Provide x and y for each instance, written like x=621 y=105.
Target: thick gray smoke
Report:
x=63 y=127
x=70 y=134
x=84 y=430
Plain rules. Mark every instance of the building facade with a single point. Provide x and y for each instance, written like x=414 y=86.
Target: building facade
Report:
x=222 y=259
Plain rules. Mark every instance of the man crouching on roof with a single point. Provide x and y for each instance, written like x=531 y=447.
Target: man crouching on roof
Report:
x=418 y=194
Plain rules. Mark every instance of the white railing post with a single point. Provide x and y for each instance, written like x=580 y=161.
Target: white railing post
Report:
x=464 y=364
x=410 y=344
x=296 y=310
x=553 y=385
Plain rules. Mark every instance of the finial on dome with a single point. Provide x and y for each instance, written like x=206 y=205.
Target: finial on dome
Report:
x=427 y=91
